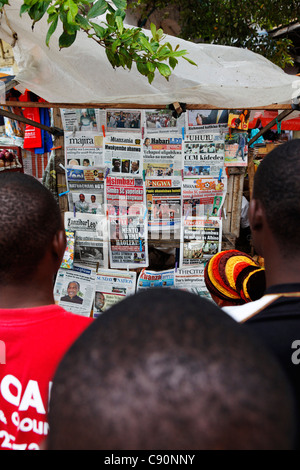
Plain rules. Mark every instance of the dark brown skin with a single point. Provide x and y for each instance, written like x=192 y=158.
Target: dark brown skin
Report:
x=279 y=269
x=36 y=290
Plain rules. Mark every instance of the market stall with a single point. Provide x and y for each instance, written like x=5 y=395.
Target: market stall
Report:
x=149 y=177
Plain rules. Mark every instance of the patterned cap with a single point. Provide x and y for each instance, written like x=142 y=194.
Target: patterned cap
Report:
x=234 y=276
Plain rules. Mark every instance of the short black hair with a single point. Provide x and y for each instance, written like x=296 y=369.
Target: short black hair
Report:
x=167 y=369
x=29 y=218
x=277 y=186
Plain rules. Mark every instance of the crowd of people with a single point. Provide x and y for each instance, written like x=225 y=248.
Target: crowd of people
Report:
x=164 y=368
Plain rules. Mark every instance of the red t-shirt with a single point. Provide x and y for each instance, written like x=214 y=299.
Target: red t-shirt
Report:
x=32 y=343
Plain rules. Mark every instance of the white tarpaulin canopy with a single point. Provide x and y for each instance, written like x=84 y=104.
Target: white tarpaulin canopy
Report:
x=226 y=77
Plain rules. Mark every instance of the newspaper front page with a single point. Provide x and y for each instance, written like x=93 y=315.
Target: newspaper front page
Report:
x=83 y=148
x=91 y=239
x=111 y=287
x=127 y=221
x=86 y=186
x=201 y=239
x=203 y=155
x=74 y=289
x=123 y=154
x=162 y=155
x=149 y=279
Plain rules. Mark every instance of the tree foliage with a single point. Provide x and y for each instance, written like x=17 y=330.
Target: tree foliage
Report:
x=240 y=23
x=123 y=45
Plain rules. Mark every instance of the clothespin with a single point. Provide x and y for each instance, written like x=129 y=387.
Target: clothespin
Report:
x=278 y=126
x=74 y=209
x=143 y=132
x=141 y=245
x=220 y=174
x=145 y=214
x=182 y=130
x=182 y=177
x=103 y=130
x=176 y=267
x=143 y=175
x=65 y=192
x=106 y=173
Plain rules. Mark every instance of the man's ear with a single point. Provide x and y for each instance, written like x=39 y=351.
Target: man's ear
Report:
x=59 y=244
x=256 y=215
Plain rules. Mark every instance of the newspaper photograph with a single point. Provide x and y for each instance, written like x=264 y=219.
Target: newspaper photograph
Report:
x=203 y=197
x=192 y=280
x=164 y=206
x=81 y=119
x=91 y=238
x=123 y=154
x=148 y=279
x=204 y=119
x=236 y=148
x=86 y=186
x=201 y=239
x=122 y=120
x=111 y=287
x=83 y=148
x=74 y=289
x=162 y=120
x=162 y=155
x=239 y=119
x=203 y=155
x=125 y=196
x=128 y=244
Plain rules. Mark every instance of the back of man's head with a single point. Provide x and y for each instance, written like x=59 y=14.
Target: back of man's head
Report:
x=277 y=187
x=166 y=369
x=29 y=218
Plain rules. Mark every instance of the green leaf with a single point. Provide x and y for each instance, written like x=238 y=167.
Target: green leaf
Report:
x=150 y=77
x=145 y=43
x=51 y=30
x=153 y=30
x=23 y=8
x=121 y=4
x=190 y=61
x=119 y=22
x=66 y=40
x=163 y=69
x=98 y=9
x=82 y=22
x=173 y=62
x=100 y=32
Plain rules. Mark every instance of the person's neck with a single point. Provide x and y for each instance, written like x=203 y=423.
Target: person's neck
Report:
x=280 y=270
x=35 y=293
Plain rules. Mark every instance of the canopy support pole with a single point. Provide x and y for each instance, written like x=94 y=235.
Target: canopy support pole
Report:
x=52 y=130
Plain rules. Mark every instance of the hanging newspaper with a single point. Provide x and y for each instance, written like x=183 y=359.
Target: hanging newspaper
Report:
x=162 y=155
x=204 y=120
x=118 y=120
x=148 y=279
x=162 y=120
x=68 y=258
x=236 y=148
x=203 y=155
x=83 y=148
x=164 y=207
x=111 y=287
x=86 y=189
x=123 y=154
x=91 y=241
x=192 y=280
x=81 y=119
x=201 y=239
x=126 y=208
x=74 y=289
x=204 y=197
